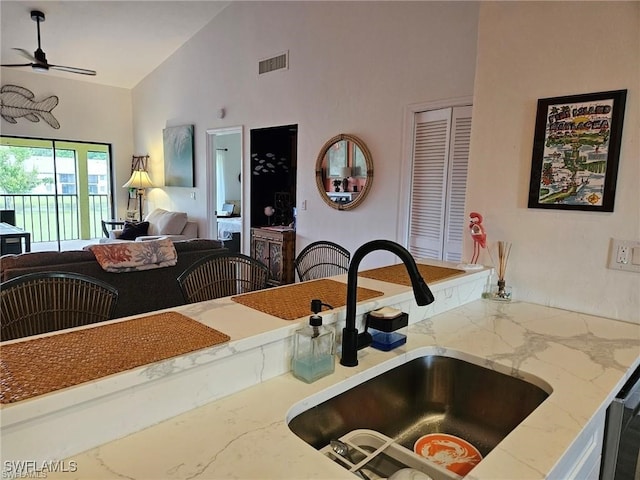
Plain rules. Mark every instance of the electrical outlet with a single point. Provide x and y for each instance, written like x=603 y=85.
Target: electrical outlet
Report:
x=193 y=195
x=623 y=255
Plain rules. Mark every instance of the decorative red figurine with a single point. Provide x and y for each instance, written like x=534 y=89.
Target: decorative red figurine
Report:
x=478 y=235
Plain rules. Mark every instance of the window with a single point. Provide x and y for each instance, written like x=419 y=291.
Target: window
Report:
x=68 y=188
x=59 y=190
x=337 y=159
x=93 y=181
x=67 y=183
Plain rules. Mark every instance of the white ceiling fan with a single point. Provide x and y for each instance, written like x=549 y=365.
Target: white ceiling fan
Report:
x=38 y=61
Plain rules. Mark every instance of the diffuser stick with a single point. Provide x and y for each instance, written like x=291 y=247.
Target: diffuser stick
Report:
x=504 y=249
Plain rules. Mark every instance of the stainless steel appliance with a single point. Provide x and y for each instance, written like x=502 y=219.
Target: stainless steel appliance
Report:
x=622 y=434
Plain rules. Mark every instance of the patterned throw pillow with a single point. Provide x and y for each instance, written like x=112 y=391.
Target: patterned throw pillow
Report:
x=132 y=230
x=126 y=257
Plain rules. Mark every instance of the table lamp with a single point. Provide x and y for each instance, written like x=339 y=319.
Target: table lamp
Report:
x=139 y=180
x=345 y=173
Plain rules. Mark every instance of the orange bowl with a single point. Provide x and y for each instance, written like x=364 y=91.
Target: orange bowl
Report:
x=451 y=452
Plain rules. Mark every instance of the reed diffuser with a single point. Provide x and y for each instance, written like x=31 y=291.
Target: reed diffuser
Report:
x=501 y=291
x=504 y=249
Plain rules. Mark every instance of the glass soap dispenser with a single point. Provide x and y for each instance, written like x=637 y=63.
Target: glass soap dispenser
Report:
x=313 y=348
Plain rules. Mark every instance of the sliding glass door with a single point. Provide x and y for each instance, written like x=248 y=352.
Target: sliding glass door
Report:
x=59 y=190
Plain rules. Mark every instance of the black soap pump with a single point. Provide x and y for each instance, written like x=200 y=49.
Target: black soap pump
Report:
x=313 y=348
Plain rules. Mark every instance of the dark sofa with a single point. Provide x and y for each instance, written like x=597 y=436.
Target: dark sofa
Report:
x=138 y=292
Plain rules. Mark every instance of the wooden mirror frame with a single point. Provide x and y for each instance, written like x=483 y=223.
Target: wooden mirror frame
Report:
x=319 y=170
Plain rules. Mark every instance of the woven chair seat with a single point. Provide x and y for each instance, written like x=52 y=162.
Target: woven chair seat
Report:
x=222 y=275
x=322 y=259
x=43 y=302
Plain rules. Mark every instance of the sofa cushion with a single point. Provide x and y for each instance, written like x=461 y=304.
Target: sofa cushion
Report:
x=162 y=222
x=138 y=292
x=133 y=230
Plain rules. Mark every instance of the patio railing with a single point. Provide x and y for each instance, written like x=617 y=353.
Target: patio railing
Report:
x=38 y=214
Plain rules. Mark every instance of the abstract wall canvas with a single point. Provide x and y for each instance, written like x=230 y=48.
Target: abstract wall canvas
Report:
x=178 y=156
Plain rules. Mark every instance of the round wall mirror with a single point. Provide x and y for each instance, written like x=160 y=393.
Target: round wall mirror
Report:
x=344 y=172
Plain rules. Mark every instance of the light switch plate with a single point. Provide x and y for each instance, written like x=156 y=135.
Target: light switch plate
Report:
x=624 y=255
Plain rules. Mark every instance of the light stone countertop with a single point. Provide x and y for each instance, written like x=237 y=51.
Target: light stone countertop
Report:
x=93 y=413
x=584 y=359
x=236 y=397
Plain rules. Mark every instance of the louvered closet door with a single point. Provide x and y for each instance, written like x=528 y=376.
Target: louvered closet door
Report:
x=439 y=178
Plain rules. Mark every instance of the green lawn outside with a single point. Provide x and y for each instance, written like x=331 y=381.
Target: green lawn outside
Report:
x=37 y=215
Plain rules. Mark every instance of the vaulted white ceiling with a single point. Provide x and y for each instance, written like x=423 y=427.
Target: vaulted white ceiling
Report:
x=122 y=40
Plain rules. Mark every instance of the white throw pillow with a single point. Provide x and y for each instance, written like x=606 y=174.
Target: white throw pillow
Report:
x=162 y=222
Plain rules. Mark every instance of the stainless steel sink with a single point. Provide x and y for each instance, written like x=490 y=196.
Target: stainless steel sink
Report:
x=428 y=394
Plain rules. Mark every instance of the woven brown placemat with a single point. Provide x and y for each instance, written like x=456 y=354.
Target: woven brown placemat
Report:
x=398 y=273
x=294 y=301
x=43 y=365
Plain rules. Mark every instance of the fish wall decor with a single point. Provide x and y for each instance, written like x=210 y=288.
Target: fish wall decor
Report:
x=18 y=102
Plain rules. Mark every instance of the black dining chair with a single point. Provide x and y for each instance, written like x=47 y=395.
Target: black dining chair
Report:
x=43 y=302
x=322 y=259
x=221 y=275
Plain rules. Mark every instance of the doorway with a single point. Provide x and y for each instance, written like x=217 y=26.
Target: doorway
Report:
x=224 y=186
x=274 y=158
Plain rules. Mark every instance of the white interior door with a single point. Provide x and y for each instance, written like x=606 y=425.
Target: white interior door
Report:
x=429 y=177
x=438 y=183
x=455 y=219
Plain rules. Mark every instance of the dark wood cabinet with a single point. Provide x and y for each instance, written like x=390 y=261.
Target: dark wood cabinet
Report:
x=276 y=249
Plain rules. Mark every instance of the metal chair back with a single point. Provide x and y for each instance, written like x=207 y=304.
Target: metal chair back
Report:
x=222 y=275
x=43 y=302
x=322 y=259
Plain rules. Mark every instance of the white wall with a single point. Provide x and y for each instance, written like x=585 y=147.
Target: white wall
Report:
x=86 y=112
x=532 y=50
x=354 y=66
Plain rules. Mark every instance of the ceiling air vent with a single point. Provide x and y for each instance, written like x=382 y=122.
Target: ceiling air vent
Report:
x=279 y=62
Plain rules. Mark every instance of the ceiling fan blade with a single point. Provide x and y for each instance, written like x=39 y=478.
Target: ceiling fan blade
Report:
x=39 y=58
x=26 y=54
x=17 y=65
x=81 y=71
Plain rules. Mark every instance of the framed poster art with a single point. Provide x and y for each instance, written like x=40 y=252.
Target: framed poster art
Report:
x=576 y=149
x=178 y=156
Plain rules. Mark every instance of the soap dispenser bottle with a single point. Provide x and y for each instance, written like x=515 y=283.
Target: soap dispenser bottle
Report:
x=313 y=349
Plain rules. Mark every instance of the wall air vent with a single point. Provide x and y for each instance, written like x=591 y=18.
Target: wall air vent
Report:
x=279 y=62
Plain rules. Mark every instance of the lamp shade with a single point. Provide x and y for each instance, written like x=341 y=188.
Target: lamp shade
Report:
x=139 y=179
x=345 y=172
